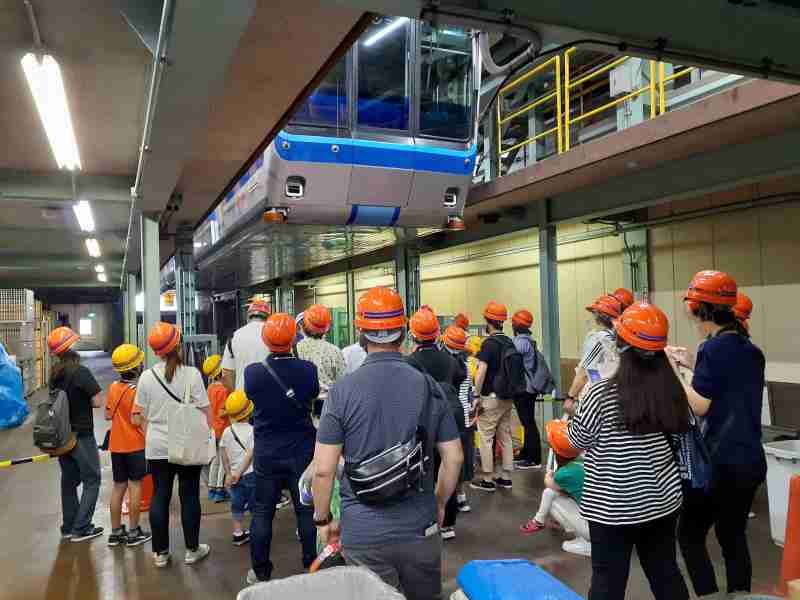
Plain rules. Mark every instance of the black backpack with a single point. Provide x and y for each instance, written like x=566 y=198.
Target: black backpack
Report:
x=450 y=392
x=510 y=380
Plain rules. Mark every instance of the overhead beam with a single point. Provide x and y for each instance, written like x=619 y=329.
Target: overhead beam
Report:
x=56 y=187
x=143 y=17
x=48 y=261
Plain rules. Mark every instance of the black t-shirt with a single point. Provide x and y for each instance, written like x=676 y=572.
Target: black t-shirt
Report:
x=439 y=364
x=81 y=388
x=491 y=353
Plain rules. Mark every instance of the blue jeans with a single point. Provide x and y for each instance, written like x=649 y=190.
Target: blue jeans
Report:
x=80 y=467
x=242 y=496
x=271 y=476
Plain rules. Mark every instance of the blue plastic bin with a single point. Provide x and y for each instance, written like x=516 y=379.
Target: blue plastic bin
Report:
x=511 y=580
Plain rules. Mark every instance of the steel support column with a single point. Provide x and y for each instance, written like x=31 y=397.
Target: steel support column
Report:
x=635 y=260
x=350 y=278
x=185 y=278
x=406 y=276
x=548 y=283
x=151 y=280
x=131 y=333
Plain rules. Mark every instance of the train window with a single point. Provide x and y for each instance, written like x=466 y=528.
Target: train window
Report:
x=446 y=93
x=327 y=105
x=383 y=75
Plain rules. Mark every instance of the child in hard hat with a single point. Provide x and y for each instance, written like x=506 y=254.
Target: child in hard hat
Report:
x=217 y=394
x=236 y=447
x=126 y=444
x=562 y=493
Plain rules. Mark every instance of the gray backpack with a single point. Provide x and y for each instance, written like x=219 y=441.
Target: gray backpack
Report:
x=51 y=426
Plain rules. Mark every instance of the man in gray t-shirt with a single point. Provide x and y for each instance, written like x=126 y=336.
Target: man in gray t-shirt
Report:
x=368 y=411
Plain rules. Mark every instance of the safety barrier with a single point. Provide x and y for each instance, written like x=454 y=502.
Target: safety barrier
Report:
x=4 y=464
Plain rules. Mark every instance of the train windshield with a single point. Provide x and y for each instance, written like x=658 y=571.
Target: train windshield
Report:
x=445 y=89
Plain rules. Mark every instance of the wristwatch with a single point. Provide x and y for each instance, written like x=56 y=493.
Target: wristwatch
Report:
x=322 y=522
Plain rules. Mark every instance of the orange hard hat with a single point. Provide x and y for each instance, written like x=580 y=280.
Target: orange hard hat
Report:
x=424 y=325
x=495 y=311
x=743 y=307
x=461 y=320
x=380 y=309
x=61 y=339
x=643 y=326
x=163 y=338
x=523 y=318
x=317 y=319
x=455 y=338
x=279 y=332
x=625 y=296
x=608 y=305
x=559 y=440
x=258 y=307
x=714 y=287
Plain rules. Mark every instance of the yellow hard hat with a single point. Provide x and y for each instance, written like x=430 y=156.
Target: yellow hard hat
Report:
x=126 y=358
x=474 y=344
x=212 y=366
x=237 y=407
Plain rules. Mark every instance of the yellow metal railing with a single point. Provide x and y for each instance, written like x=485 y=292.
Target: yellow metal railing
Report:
x=662 y=81
x=555 y=95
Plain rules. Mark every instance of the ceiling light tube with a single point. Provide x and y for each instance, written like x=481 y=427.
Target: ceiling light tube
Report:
x=93 y=247
x=99 y=268
x=83 y=212
x=382 y=33
x=47 y=86
x=102 y=277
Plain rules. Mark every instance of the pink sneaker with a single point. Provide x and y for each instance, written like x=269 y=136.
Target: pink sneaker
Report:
x=531 y=527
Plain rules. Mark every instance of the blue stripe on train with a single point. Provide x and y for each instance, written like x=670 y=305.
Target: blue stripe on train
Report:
x=309 y=148
x=375 y=216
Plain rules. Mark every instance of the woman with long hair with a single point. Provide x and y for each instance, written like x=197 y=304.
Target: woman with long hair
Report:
x=632 y=490
x=80 y=465
x=159 y=387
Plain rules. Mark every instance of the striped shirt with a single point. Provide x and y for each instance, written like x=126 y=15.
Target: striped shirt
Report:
x=464 y=392
x=629 y=478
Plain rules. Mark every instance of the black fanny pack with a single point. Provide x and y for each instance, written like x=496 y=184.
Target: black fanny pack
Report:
x=389 y=476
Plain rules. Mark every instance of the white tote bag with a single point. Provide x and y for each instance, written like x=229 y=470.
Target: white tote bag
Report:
x=191 y=440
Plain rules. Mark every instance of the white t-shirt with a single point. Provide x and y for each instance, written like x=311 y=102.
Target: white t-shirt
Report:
x=354 y=356
x=236 y=454
x=153 y=402
x=248 y=348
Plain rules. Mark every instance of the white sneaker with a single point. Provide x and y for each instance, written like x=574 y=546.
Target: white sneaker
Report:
x=195 y=556
x=161 y=560
x=448 y=533
x=578 y=546
x=251 y=578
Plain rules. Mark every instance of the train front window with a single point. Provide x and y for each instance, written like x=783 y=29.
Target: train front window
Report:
x=327 y=105
x=446 y=93
x=383 y=74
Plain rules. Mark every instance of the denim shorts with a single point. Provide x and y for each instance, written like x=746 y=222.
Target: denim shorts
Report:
x=242 y=496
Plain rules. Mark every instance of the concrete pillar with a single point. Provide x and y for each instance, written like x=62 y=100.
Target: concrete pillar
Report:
x=151 y=280
x=548 y=283
x=131 y=333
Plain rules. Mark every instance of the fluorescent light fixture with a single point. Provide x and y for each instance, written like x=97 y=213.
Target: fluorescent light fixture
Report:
x=102 y=277
x=83 y=212
x=100 y=268
x=93 y=247
x=47 y=87
x=453 y=32
x=382 y=33
x=198 y=244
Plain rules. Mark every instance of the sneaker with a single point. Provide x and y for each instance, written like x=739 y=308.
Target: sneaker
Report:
x=506 y=484
x=578 y=546
x=195 y=556
x=463 y=506
x=483 y=485
x=283 y=502
x=251 y=578
x=89 y=533
x=223 y=495
x=525 y=465
x=448 y=533
x=240 y=539
x=118 y=537
x=161 y=559
x=138 y=536
x=532 y=526
x=212 y=495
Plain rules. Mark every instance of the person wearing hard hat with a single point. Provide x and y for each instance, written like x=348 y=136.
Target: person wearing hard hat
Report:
x=600 y=355
x=387 y=404
x=80 y=466
x=562 y=492
x=126 y=445
x=632 y=494
x=727 y=391
x=742 y=310
x=214 y=473
x=282 y=388
x=158 y=389
x=236 y=447
x=245 y=347
x=625 y=297
x=450 y=373
x=495 y=420
x=461 y=321
x=314 y=348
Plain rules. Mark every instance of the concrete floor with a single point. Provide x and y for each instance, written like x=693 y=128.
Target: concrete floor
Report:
x=34 y=564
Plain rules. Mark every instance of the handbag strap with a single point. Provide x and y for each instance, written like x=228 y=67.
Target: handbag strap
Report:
x=164 y=385
x=121 y=396
x=236 y=437
x=289 y=392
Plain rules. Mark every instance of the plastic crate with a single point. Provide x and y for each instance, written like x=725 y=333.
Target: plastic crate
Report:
x=340 y=583
x=511 y=580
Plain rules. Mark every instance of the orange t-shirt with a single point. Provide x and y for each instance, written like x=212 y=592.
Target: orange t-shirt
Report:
x=125 y=436
x=217 y=394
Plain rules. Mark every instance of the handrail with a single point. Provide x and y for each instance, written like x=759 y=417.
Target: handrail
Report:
x=662 y=81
